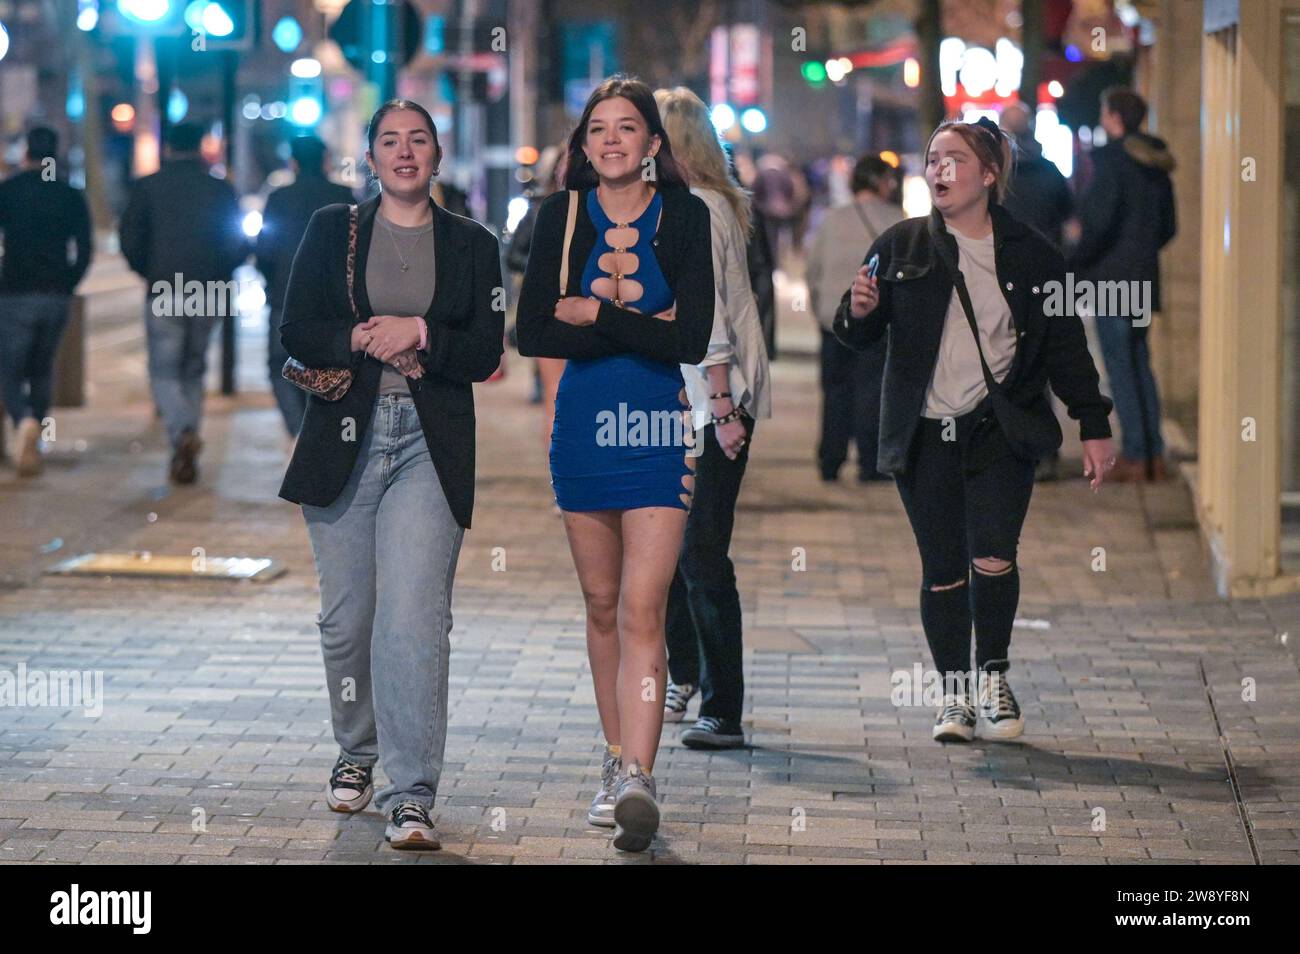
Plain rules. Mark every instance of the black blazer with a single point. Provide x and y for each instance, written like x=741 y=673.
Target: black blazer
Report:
x=915 y=290
x=465 y=322
x=683 y=247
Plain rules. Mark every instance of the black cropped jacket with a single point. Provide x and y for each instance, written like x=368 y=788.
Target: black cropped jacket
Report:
x=915 y=290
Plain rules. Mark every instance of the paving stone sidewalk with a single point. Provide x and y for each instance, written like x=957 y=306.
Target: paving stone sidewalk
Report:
x=215 y=712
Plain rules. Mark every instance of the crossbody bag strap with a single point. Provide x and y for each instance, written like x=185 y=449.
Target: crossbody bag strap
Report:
x=872 y=234
x=569 y=225
x=352 y=260
x=959 y=281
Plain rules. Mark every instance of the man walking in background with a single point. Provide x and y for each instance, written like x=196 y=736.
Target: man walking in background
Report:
x=850 y=380
x=182 y=234
x=1038 y=195
x=1126 y=217
x=40 y=214
x=284 y=222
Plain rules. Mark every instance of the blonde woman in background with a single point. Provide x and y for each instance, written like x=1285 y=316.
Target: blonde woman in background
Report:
x=727 y=391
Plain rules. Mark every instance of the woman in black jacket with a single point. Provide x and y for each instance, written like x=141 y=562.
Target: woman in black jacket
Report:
x=963 y=420
x=632 y=301
x=385 y=475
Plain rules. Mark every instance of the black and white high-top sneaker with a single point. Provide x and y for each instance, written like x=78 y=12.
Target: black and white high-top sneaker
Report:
x=676 y=699
x=350 y=786
x=956 y=721
x=998 y=707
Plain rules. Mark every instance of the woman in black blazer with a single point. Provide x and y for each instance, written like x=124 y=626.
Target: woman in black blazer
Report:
x=634 y=303
x=963 y=458
x=385 y=475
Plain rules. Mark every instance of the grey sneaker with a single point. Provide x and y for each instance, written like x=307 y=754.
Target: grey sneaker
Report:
x=676 y=699
x=998 y=707
x=601 y=813
x=350 y=786
x=636 y=810
x=410 y=828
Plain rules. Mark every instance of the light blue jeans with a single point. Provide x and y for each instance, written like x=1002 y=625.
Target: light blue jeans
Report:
x=386 y=554
x=178 y=359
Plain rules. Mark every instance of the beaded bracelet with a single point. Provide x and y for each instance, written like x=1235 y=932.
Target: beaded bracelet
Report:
x=728 y=418
x=720 y=394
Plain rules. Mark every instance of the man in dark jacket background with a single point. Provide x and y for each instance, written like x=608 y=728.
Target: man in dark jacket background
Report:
x=284 y=222
x=39 y=214
x=1126 y=217
x=1038 y=195
x=181 y=233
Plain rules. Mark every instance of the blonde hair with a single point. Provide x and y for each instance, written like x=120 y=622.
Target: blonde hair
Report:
x=992 y=149
x=698 y=150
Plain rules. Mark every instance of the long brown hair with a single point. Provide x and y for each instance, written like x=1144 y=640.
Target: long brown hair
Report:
x=579 y=172
x=991 y=148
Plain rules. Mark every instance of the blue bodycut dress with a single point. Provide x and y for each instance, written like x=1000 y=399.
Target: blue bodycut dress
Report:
x=622 y=431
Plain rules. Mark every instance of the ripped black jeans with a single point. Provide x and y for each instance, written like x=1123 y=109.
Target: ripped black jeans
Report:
x=966 y=496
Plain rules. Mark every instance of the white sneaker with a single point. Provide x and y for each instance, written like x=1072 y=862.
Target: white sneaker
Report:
x=601 y=813
x=998 y=707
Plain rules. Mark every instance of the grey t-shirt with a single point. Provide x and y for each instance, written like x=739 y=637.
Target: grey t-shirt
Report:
x=958 y=382
x=393 y=291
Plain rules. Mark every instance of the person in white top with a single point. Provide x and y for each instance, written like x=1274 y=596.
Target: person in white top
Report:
x=727 y=391
x=850 y=380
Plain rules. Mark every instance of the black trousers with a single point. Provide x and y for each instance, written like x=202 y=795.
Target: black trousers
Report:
x=850 y=382
x=958 y=517
x=703 y=624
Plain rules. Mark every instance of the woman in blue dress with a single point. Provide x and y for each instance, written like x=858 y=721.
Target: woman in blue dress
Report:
x=620 y=283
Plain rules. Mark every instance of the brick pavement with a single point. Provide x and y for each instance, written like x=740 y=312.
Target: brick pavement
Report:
x=215 y=709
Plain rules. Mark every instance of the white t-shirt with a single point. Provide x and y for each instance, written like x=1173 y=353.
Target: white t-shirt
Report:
x=958 y=382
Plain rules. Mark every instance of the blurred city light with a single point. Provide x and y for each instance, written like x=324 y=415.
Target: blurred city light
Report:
x=305 y=111
x=4 y=41
x=305 y=68
x=837 y=69
x=979 y=70
x=916 y=196
x=144 y=11
x=814 y=72
x=123 y=116
x=1055 y=89
x=724 y=117
x=951 y=52
x=516 y=209
x=1073 y=54
x=1010 y=65
x=252 y=223
x=87 y=15
x=286 y=34
x=753 y=119
x=526 y=155
x=216 y=21
x=178 y=104
x=1057 y=140
x=911 y=73
x=890 y=157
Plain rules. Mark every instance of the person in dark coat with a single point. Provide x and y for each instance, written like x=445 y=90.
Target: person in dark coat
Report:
x=1039 y=196
x=284 y=222
x=1126 y=217
x=39 y=215
x=1037 y=193
x=181 y=233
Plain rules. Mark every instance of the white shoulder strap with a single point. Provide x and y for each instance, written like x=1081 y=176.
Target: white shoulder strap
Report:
x=568 y=240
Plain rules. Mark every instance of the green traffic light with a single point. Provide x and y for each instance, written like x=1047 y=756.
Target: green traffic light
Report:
x=814 y=71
